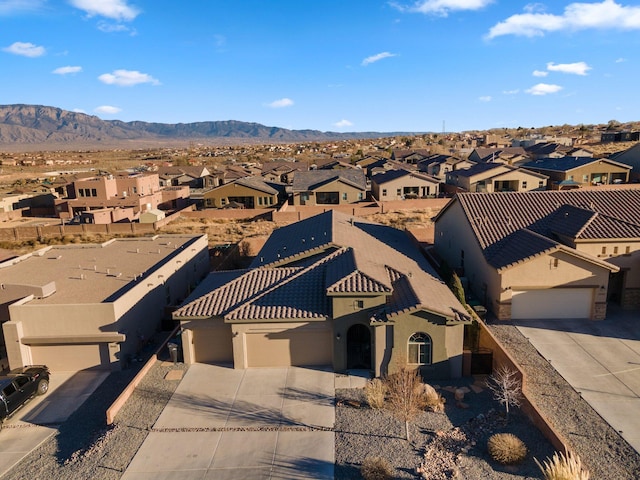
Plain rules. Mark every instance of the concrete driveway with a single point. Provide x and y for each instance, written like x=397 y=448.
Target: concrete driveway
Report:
x=40 y=417
x=226 y=424
x=600 y=359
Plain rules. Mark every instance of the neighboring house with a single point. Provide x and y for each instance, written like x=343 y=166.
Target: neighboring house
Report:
x=247 y=192
x=607 y=137
x=191 y=176
x=496 y=177
x=581 y=171
x=136 y=192
x=544 y=150
x=631 y=157
x=329 y=290
x=82 y=306
x=403 y=184
x=282 y=172
x=411 y=157
x=509 y=155
x=439 y=165
x=545 y=254
x=329 y=187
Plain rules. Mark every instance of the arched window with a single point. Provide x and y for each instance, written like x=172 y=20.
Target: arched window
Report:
x=419 y=349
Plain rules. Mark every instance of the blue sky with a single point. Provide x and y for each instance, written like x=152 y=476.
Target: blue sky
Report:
x=339 y=65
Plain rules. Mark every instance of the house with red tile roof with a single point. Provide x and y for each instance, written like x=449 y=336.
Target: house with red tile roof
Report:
x=547 y=254
x=330 y=290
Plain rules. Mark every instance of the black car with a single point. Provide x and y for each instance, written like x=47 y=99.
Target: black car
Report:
x=19 y=385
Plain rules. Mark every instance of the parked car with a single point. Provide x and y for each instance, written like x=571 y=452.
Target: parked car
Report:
x=19 y=386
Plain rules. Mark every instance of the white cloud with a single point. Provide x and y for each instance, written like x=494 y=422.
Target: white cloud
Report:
x=577 y=68
x=343 y=123
x=109 y=27
x=441 y=7
x=67 y=70
x=11 y=7
x=114 y=9
x=376 y=58
x=25 y=49
x=621 y=60
x=108 y=109
x=576 y=16
x=485 y=98
x=282 y=103
x=127 y=78
x=511 y=92
x=78 y=110
x=543 y=89
x=540 y=73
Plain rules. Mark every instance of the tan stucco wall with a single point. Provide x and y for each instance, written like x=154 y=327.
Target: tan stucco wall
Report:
x=235 y=190
x=335 y=186
x=392 y=187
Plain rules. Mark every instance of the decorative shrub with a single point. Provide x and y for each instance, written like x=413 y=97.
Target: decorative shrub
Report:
x=376 y=468
x=563 y=467
x=375 y=391
x=506 y=448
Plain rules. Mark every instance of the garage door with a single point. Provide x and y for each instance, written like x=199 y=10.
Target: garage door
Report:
x=213 y=345
x=307 y=345
x=70 y=358
x=552 y=303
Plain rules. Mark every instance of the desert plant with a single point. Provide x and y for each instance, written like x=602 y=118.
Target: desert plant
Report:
x=506 y=386
x=506 y=448
x=432 y=400
x=375 y=391
x=404 y=396
x=563 y=467
x=376 y=468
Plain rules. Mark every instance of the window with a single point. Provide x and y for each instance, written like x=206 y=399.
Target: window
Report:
x=419 y=349
x=399 y=192
x=540 y=184
x=604 y=250
x=344 y=195
x=524 y=184
x=555 y=263
x=359 y=195
x=359 y=304
x=627 y=250
x=94 y=192
x=384 y=192
x=585 y=178
x=615 y=250
x=22 y=381
x=259 y=200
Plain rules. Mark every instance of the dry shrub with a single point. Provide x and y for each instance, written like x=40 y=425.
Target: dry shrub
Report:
x=375 y=391
x=376 y=468
x=433 y=401
x=506 y=448
x=563 y=467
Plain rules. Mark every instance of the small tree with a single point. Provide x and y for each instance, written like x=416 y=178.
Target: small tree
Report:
x=405 y=398
x=506 y=387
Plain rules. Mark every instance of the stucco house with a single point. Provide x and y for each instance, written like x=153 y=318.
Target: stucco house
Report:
x=549 y=254
x=89 y=306
x=496 y=177
x=580 y=170
x=249 y=192
x=329 y=187
x=329 y=290
x=403 y=184
x=631 y=157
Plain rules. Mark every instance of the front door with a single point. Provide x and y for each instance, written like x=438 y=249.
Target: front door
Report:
x=359 y=347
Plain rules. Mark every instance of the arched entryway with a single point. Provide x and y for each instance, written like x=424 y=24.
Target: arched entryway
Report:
x=359 y=347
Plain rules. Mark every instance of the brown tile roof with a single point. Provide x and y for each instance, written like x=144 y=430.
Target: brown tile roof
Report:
x=516 y=225
x=333 y=253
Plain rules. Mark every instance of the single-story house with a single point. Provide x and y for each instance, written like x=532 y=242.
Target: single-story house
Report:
x=329 y=290
x=547 y=254
x=582 y=170
x=496 y=177
x=250 y=192
x=631 y=157
x=329 y=187
x=403 y=184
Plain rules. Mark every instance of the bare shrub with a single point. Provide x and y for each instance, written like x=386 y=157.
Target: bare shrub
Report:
x=506 y=387
x=563 y=467
x=506 y=448
x=405 y=399
x=376 y=468
x=375 y=391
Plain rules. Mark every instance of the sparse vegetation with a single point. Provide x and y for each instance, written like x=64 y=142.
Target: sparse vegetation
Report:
x=506 y=385
x=506 y=448
x=376 y=468
x=405 y=397
x=375 y=391
x=563 y=467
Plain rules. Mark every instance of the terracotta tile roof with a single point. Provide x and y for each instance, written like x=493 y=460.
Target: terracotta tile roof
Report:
x=537 y=220
x=305 y=181
x=333 y=253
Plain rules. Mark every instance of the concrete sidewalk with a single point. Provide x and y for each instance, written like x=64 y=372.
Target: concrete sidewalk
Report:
x=601 y=361
x=243 y=424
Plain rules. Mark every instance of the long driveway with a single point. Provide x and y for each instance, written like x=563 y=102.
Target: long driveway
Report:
x=600 y=359
x=226 y=424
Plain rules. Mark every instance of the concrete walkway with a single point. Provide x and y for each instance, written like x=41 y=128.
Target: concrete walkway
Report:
x=601 y=361
x=226 y=424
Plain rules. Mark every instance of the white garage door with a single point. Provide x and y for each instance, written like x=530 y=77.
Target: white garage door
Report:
x=552 y=303
x=70 y=358
x=309 y=345
x=213 y=345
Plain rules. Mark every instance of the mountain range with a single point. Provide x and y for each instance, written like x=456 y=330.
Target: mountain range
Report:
x=31 y=127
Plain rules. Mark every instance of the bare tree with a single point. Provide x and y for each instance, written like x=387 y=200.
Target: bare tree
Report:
x=405 y=398
x=506 y=385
